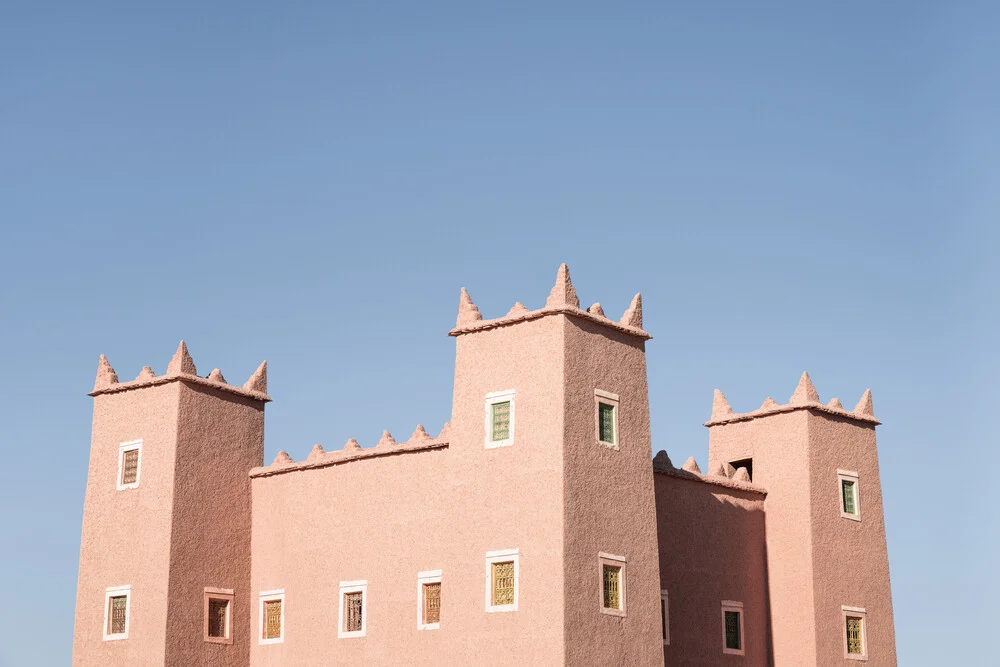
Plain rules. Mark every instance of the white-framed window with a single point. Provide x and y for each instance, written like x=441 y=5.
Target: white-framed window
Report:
x=272 y=616
x=502 y=579
x=855 y=640
x=117 y=604
x=353 y=621
x=499 y=420
x=429 y=600
x=129 y=461
x=218 y=609
x=665 y=616
x=850 y=498
x=732 y=627
x=612 y=578
x=606 y=411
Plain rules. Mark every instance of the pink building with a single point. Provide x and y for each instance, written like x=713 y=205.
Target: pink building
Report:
x=536 y=528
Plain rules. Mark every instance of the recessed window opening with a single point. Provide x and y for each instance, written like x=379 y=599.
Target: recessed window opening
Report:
x=744 y=463
x=499 y=424
x=732 y=627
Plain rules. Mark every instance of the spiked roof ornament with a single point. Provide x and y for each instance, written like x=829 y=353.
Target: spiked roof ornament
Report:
x=258 y=381
x=597 y=309
x=467 y=311
x=316 y=453
x=805 y=392
x=419 y=434
x=864 y=406
x=691 y=465
x=768 y=404
x=563 y=293
x=386 y=440
x=146 y=374
x=741 y=475
x=106 y=375
x=216 y=376
x=662 y=459
x=633 y=316
x=352 y=445
x=282 y=458
x=720 y=406
x=182 y=363
x=517 y=309
x=835 y=404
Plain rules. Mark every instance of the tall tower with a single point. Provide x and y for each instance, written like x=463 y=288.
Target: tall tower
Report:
x=165 y=551
x=828 y=567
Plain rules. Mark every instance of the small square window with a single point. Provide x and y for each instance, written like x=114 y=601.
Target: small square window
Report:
x=612 y=570
x=665 y=616
x=607 y=418
x=855 y=642
x=429 y=600
x=732 y=627
x=502 y=580
x=744 y=463
x=116 y=608
x=272 y=617
x=129 y=455
x=850 y=501
x=499 y=419
x=353 y=609
x=218 y=606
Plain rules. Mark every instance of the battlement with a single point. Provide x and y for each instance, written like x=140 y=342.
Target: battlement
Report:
x=723 y=475
x=180 y=368
x=562 y=299
x=805 y=397
x=352 y=451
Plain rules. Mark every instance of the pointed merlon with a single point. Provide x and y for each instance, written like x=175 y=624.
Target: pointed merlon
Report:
x=597 y=309
x=563 y=293
x=216 y=376
x=633 y=316
x=419 y=434
x=835 y=404
x=768 y=404
x=720 y=406
x=741 y=475
x=730 y=470
x=258 y=381
x=467 y=311
x=691 y=465
x=805 y=392
x=352 y=445
x=517 y=309
x=316 y=453
x=182 y=363
x=146 y=374
x=282 y=459
x=444 y=430
x=719 y=471
x=662 y=459
x=106 y=375
x=386 y=440
x=864 y=406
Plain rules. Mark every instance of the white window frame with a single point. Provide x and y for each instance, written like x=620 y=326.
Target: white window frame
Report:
x=856 y=612
x=665 y=610
x=849 y=476
x=619 y=562
x=266 y=596
x=492 y=399
x=127 y=447
x=502 y=556
x=114 y=592
x=428 y=577
x=359 y=586
x=732 y=605
x=606 y=397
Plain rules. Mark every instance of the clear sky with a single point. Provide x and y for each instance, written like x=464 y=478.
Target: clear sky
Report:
x=790 y=188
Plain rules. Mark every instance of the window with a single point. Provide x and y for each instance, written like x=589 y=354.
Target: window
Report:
x=850 y=502
x=502 y=580
x=218 y=607
x=129 y=454
x=353 y=609
x=500 y=418
x=612 y=569
x=855 y=642
x=607 y=418
x=272 y=617
x=429 y=600
x=665 y=617
x=744 y=463
x=116 y=607
x=732 y=627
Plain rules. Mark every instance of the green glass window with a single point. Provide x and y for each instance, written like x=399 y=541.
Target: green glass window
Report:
x=848 y=492
x=606 y=422
x=500 y=413
x=733 y=638
x=854 y=642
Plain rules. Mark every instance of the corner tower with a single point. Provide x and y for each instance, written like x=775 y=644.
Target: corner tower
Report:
x=166 y=521
x=827 y=562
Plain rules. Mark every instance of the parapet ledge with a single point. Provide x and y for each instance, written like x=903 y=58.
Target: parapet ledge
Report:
x=180 y=368
x=805 y=397
x=352 y=451
x=562 y=300
x=738 y=479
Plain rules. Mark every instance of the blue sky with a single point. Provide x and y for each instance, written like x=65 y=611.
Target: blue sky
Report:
x=789 y=187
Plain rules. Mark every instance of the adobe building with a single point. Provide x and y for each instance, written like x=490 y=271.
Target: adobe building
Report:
x=536 y=528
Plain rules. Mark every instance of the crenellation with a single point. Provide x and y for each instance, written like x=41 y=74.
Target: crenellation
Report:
x=216 y=376
x=182 y=363
x=633 y=316
x=690 y=471
x=691 y=465
x=145 y=374
x=597 y=309
x=106 y=375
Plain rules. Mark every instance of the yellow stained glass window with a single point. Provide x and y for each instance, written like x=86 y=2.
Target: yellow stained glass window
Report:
x=854 y=641
x=503 y=583
x=116 y=619
x=353 y=611
x=130 y=466
x=432 y=603
x=612 y=586
x=272 y=619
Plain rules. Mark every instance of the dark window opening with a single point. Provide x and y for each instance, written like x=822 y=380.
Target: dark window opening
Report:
x=744 y=463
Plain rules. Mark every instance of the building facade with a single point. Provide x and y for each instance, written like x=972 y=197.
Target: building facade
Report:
x=535 y=528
